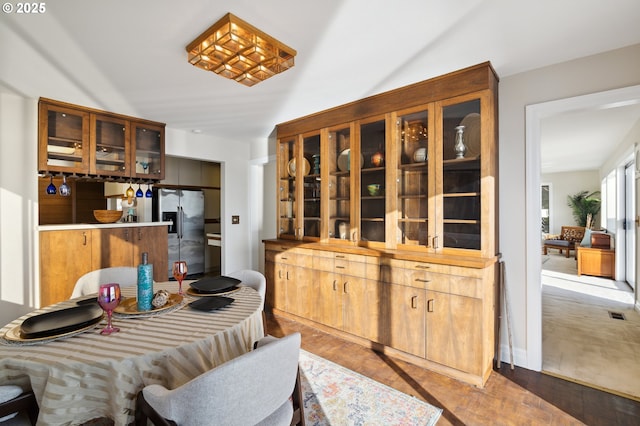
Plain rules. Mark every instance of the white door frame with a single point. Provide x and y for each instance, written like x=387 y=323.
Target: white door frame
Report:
x=534 y=115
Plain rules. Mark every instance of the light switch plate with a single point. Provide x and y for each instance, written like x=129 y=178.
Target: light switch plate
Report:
x=235 y=220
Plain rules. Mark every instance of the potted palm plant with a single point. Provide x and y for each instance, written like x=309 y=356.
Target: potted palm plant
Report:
x=584 y=206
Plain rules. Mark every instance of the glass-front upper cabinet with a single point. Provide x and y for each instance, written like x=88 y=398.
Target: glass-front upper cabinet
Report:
x=110 y=142
x=339 y=160
x=64 y=139
x=414 y=179
x=147 y=151
x=461 y=174
x=311 y=194
x=372 y=182
x=287 y=196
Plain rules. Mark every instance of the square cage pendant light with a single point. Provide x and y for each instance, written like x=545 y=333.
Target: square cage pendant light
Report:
x=239 y=51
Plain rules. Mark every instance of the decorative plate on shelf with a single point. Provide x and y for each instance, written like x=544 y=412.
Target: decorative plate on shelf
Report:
x=343 y=160
x=291 y=167
x=471 y=125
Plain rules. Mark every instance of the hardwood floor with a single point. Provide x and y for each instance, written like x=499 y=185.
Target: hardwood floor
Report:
x=518 y=397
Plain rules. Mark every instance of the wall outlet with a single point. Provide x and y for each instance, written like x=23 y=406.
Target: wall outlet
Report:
x=235 y=220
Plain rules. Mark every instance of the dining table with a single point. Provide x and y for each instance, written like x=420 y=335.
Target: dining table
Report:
x=77 y=377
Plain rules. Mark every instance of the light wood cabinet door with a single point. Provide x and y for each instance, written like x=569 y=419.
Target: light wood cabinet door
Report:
x=329 y=301
x=112 y=247
x=65 y=257
x=154 y=241
x=299 y=285
x=354 y=298
x=404 y=310
x=454 y=331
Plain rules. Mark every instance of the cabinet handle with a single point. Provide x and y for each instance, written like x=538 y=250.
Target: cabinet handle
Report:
x=84 y=236
x=335 y=287
x=414 y=302
x=430 y=304
x=423 y=267
x=126 y=235
x=287 y=275
x=345 y=287
x=353 y=236
x=340 y=256
x=280 y=274
x=435 y=242
x=422 y=280
x=339 y=267
x=284 y=258
x=139 y=234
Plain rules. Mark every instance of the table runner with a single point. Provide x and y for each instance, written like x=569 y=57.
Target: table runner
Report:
x=90 y=375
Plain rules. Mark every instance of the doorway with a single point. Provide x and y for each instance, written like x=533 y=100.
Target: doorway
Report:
x=534 y=115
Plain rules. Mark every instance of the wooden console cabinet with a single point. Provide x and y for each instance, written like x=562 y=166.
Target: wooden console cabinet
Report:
x=599 y=262
x=387 y=219
x=66 y=255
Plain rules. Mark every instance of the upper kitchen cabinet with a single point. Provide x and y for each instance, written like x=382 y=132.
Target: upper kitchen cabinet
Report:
x=413 y=169
x=147 y=156
x=63 y=139
x=89 y=142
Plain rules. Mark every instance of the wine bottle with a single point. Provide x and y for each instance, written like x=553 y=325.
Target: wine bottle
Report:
x=145 y=284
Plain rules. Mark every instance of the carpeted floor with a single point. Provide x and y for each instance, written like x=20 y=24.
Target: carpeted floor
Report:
x=581 y=340
x=336 y=396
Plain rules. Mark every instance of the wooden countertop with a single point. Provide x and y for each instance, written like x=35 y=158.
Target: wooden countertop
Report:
x=77 y=226
x=444 y=259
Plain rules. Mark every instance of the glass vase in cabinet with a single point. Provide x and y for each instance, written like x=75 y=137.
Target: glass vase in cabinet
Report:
x=461 y=174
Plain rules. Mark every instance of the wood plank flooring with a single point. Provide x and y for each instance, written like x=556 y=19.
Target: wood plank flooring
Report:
x=519 y=397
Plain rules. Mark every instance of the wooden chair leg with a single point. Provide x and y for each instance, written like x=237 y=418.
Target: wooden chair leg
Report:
x=298 y=405
x=24 y=402
x=146 y=412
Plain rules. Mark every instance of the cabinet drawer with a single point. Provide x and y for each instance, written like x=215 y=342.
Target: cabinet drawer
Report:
x=427 y=267
x=355 y=269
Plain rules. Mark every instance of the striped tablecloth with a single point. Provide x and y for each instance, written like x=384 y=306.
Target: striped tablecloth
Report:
x=90 y=375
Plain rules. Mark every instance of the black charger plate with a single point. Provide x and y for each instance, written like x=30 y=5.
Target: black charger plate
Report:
x=212 y=285
x=211 y=303
x=60 y=321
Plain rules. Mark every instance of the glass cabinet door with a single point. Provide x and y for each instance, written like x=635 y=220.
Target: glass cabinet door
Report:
x=372 y=181
x=148 y=151
x=461 y=226
x=413 y=183
x=310 y=175
x=64 y=140
x=110 y=142
x=287 y=207
x=340 y=183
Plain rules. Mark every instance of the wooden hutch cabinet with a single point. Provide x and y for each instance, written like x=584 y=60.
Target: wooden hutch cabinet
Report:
x=88 y=142
x=390 y=203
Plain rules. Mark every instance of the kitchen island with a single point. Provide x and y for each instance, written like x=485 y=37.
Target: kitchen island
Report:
x=68 y=251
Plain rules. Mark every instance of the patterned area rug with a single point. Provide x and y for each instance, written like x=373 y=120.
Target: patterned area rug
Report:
x=336 y=396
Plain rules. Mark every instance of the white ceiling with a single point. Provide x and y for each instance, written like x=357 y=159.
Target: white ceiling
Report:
x=129 y=56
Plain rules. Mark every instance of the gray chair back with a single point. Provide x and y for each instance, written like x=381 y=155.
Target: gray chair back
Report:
x=90 y=282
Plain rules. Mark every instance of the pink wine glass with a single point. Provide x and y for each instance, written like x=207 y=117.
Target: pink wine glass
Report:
x=108 y=299
x=180 y=273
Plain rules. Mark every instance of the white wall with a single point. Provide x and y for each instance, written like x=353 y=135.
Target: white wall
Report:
x=610 y=70
x=564 y=184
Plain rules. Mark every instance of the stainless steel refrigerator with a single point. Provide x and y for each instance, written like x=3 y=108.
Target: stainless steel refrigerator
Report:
x=187 y=239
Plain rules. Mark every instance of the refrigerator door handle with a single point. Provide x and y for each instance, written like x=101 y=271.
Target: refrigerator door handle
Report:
x=180 y=219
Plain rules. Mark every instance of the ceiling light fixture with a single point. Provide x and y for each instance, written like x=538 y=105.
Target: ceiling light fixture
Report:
x=239 y=51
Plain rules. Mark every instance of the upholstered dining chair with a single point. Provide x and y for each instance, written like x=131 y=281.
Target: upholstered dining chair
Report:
x=253 y=389
x=14 y=400
x=90 y=282
x=258 y=282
